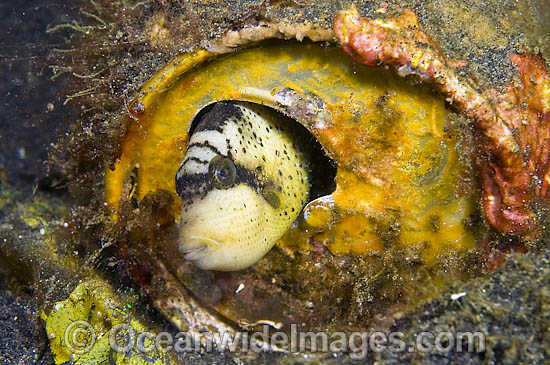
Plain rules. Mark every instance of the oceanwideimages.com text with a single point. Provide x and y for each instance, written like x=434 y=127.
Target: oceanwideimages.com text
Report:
x=80 y=338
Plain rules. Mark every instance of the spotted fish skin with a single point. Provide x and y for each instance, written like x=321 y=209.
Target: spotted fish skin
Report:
x=231 y=225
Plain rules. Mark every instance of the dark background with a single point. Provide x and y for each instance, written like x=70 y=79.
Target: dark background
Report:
x=32 y=103
x=32 y=117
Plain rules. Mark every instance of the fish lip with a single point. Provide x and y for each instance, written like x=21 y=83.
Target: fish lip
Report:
x=205 y=240
x=194 y=254
x=194 y=247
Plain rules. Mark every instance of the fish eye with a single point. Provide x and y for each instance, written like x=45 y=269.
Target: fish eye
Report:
x=222 y=172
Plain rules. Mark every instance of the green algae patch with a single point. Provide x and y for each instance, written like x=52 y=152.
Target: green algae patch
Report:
x=92 y=327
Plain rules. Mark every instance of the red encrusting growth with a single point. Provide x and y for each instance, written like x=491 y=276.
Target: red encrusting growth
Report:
x=515 y=124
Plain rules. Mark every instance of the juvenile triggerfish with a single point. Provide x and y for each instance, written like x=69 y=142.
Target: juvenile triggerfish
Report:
x=243 y=182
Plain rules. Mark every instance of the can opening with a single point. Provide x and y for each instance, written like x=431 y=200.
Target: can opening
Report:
x=322 y=169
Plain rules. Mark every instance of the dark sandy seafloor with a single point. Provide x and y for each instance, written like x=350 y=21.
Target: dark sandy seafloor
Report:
x=512 y=305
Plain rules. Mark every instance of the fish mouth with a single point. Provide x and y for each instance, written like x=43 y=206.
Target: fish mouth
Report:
x=195 y=254
x=195 y=247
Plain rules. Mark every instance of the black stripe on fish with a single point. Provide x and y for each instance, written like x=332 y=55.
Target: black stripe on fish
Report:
x=191 y=186
x=205 y=144
x=197 y=160
x=218 y=116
